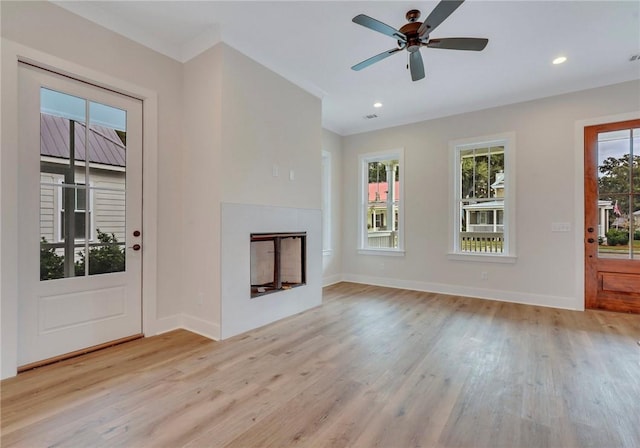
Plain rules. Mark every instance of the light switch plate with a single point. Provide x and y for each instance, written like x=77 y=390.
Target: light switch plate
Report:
x=560 y=227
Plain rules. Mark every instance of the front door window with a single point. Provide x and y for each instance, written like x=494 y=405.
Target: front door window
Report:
x=82 y=186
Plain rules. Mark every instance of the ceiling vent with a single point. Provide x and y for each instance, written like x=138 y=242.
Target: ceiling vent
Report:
x=635 y=57
x=370 y=116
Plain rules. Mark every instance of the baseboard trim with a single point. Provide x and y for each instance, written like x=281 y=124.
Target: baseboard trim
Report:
x=568 y=303
x=212 y=331
x=202 y=327
x=331 y=280
x=189 y=323
x=165 y=325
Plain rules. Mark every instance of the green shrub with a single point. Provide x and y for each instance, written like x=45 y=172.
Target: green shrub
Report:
x=109 y=257
x=51 y=264
x=636 y=235
x=103 y=259
x=616 y=237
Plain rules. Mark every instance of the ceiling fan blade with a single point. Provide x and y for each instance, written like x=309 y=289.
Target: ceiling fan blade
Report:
x=442 y=10
x=459 y=43
x=378 y=26
x=374 y=59
x=416 y=66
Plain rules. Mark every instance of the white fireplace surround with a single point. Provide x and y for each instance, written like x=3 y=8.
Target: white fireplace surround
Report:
x=239 y=311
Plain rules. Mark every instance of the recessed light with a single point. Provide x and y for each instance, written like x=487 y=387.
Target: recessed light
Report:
x=378 y=104
x=559 y=60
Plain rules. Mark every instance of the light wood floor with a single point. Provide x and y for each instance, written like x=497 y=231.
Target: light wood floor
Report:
x=371 y=367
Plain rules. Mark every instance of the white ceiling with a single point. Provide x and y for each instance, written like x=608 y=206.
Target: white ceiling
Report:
x=314 y=44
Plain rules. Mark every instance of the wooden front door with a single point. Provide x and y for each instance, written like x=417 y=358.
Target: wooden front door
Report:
x=612 y=216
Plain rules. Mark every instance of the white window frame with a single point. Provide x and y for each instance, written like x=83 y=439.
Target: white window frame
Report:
x=58 y=219
x=327 y=243
x=363 y=178
x=508 y=140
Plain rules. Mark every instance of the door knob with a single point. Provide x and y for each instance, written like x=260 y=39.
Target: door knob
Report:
x=136 y=247
x=590 y=240
x=590 y=230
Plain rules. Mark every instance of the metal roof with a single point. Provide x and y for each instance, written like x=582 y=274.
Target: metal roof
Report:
x=105 y=147
x=382 y=189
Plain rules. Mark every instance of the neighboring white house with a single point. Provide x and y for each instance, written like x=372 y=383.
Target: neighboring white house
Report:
x=487 y=216
x=604 y=211
x=106 y=200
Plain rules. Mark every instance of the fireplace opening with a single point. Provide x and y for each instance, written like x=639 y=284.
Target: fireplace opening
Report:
x=278 y=262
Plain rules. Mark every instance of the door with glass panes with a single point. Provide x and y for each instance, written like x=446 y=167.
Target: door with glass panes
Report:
x=80 y=214
x=612 y=216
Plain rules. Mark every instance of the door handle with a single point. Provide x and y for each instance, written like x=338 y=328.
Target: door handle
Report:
x=135 y=247
x=590 y=240
x=590 y=230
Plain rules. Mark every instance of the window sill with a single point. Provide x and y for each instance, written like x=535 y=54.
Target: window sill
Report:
x=382 y=252
x=484 y=258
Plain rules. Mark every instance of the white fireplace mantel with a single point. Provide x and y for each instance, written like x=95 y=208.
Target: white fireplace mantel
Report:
x=239 y=311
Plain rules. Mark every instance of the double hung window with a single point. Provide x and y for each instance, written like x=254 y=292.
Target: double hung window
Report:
x=484 y=198
x=381 y=212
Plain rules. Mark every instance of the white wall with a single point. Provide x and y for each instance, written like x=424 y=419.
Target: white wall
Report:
x=201 y=177
x=240 y=119
x=268 y=121
x=48 y=34
x=332 y=260
x=545 y=270
x=269 y=125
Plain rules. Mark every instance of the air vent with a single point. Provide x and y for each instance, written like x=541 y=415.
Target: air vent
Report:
x=370 y=116
x=635 y=57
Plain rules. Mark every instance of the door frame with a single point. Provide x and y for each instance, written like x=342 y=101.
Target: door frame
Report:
x=12 y=54
x=579 y=230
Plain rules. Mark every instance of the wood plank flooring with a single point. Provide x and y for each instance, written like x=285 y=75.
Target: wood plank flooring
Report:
x=371 y=367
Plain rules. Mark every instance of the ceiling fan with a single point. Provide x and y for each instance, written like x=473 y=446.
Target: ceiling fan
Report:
x=416 y=34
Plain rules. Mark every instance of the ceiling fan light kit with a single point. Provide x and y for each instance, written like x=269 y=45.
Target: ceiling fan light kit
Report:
x=414 y=35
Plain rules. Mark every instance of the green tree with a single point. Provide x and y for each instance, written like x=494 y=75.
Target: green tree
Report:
x=378 y=171
x=478 y=172
x=614 y=181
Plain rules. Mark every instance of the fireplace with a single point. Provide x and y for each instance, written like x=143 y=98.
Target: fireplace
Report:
x=278 y=262
x=239 y=312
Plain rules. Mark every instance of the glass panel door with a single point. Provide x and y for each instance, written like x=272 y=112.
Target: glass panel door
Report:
x=618 y=174
x=82 y=186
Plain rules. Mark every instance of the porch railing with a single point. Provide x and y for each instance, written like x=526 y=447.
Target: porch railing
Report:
x=384 y=239
x=482 y=242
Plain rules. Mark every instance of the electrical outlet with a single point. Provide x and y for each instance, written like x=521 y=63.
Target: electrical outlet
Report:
x=484 y=275
x=274 y=170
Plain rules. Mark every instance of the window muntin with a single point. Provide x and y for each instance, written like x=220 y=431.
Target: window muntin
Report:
x=381 y=202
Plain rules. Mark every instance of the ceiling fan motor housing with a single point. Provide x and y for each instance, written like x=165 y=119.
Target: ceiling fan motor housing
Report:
x=413 y=39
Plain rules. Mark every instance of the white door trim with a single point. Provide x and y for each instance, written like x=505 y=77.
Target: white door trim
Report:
x=11 y=54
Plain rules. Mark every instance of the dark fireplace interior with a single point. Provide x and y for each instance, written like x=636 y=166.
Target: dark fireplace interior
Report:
x=278 y=262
